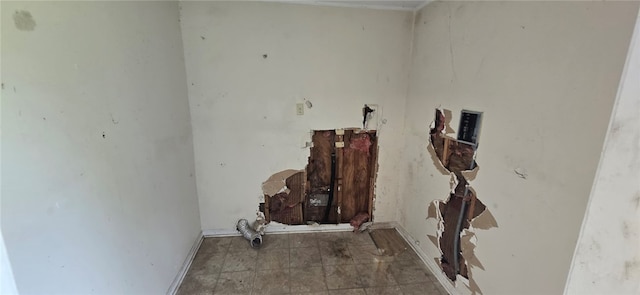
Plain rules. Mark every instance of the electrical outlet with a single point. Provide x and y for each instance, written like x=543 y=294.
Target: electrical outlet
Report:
x=299 y=109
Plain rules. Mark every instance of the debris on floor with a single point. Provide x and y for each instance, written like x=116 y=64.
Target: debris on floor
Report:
x=254 y=238
x=388 y=241
x=358 y=220
x=260 y=225
x=365 y=226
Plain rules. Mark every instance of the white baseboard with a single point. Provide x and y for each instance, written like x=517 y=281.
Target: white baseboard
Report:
x=173 y=289
x=429 y=261
x=208 y=233
x=283 y=228
x=279 y=228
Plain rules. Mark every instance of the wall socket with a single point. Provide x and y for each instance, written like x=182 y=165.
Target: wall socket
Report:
x=299 y=109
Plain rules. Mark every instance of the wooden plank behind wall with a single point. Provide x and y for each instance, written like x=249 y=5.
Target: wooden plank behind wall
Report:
x=287 y=207
x=355 y=172
x=319 y=173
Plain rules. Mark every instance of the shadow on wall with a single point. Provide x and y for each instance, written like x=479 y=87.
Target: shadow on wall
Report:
x=462 y=212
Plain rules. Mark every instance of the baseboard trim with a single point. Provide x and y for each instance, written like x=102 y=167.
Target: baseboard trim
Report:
x=429 y=261
x=283 y=228
x=209 y=233
x=173 y=289
x=279 y=228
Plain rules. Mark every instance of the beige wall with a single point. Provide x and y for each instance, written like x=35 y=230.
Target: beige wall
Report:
x=98 y=194
x=607 y=259
x=545 y=75
x=243 y=106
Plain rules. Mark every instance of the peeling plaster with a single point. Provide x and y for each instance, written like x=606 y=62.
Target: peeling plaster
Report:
x=276 y=183
x=448 y=158
x=484 y=221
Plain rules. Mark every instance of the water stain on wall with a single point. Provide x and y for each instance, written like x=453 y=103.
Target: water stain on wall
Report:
x=631 y=269
x=24 y=21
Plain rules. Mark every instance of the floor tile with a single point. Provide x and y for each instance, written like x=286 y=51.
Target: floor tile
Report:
x=342 y=277
x=388 y=290
x=235 y=282
x=215 y=245
x=238 y=243
x=334 y=236
x=273 y=259
x=198 y=284
x=309 y=263
x=273 y=281
x=361 y=238
x=303 y=240
x=375 y=275
x=421 y=289
x=275 y=241
x=347 y=292
x=410 y=272
x=368 y=254
x=304 y=257
x=241 y=260
x=207 y=263
x=309 y=279
x=335 y=253
x=408 y=254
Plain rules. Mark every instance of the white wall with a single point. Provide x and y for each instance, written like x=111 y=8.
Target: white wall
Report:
x=243 y=105
x=607 y=259
x=98 y=189
x=545 y=74
x=7 y=281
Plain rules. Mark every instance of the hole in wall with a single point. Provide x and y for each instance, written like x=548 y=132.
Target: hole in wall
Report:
x=341 y=175
x=462 y=209
x=336 y=186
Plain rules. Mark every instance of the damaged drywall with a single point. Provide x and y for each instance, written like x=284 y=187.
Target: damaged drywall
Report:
x=277 y=182
x=341 y=174
x=336 y=186
x=284 y=195
x=462 y=211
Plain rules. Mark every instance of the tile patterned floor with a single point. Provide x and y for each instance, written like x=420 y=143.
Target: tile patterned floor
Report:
x=337 y=263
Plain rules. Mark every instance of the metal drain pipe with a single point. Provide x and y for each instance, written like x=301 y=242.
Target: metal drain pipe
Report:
x=255 y=239
x=463 y=212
